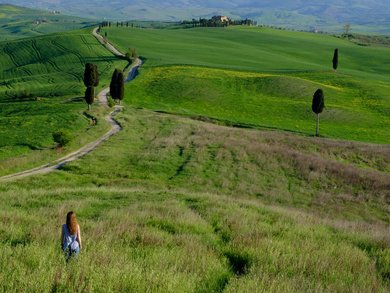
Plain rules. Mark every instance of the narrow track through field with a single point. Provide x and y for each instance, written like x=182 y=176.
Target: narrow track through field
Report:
x=115 y=126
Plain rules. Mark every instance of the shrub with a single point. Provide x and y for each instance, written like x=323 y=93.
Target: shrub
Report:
x=110 y=101
x=62 y=137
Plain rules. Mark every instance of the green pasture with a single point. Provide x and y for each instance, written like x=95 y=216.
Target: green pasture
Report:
x=19 y=22
x=252 y=49
x=52 y=65
x=274 y=101
x=176 y=205
x=290 y=67
x=42 y=91
x=172 y=204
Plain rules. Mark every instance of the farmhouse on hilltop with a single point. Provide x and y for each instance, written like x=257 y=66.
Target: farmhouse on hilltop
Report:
x=220 y=18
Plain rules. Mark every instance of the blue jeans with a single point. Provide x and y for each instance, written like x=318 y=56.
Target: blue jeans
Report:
x=69 y=253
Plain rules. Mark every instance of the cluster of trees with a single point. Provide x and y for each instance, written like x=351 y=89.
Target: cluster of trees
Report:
x=216 y=21
x=91 y=80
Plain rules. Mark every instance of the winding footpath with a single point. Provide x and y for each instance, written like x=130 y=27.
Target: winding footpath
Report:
x=115 y=126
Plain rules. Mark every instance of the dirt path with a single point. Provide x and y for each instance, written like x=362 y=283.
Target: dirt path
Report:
x=115 y=126
x=108 y=45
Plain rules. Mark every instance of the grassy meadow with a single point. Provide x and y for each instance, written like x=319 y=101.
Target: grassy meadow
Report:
x=42 y=91
x=19 y=22
x=176 y=205
x=265 y=78
x=172 y=204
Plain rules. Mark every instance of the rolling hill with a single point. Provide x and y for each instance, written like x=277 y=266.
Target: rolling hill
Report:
x=257 y=77
x=42 y=91
x=214 y=195
x=18 y=22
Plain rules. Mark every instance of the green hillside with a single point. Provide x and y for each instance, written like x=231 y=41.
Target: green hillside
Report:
x=175 y=205
x=19 y=22
x=290 y=67
x=252 y=49
x=41 y=91
x=172 y=204
x=52 y=65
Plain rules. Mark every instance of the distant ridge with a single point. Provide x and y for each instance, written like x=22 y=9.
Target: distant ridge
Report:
x=364 y=16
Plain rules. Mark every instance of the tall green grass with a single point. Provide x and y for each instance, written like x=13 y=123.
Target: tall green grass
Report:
x=174 y=205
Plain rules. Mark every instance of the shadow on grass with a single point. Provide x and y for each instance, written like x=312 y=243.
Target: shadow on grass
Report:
x=228 y=123
x=240 y=262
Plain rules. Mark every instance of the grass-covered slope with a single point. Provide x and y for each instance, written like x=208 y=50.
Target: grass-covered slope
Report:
x=290 y=66
x=41 y=92
x=51 y=65
x=19 y=22
x=175 y=205
x=272 y=101
x=253 y=49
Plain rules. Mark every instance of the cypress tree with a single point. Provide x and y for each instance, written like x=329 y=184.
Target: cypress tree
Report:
x=95 y=75
x=117 y=87
x=335 y=59
x=91 y=79
x=89 y=96
x=317 y=106
x=121 y=86
x=113 y=84
x=89 y=75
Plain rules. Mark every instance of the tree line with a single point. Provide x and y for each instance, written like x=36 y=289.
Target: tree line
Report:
x=118 y=24
x=216 y=22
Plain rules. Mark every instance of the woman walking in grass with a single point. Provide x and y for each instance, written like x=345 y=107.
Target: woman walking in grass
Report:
x=70 y=236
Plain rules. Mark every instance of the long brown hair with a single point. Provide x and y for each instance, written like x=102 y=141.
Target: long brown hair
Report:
x=71 y=223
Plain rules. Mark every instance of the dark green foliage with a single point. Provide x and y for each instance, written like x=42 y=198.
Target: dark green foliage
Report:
x=335 y=59
x=121 y=85
x=113 y=86
x=111 y=102
x=91 y=79
x=91 y=75
x=95 y=75
x=88 y=75
x=62 y=137
x=89 y=96
x=117 y=88
x=318 y=102
x=239 y=262
x=131 y=54
x=317 y=106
